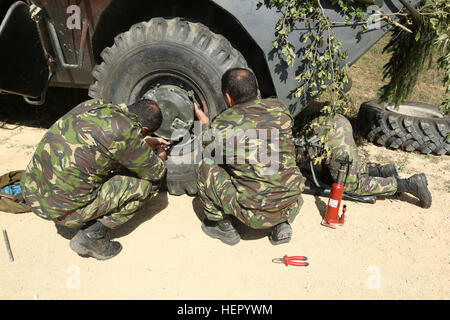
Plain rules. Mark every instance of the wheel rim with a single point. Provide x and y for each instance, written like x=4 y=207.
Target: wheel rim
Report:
x=415 y=111
x=176 y=108
x=170 y=89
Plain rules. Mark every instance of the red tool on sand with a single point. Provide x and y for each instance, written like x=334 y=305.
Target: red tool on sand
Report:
x=332 y=219
x=292 y=261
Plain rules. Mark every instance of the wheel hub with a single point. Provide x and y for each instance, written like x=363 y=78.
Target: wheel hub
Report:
x=177 y=110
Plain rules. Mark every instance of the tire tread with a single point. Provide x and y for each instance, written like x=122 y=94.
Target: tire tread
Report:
x=398 y=131
x=198 y=37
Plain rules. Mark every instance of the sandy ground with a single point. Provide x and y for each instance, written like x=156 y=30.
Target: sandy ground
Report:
x=389 y=250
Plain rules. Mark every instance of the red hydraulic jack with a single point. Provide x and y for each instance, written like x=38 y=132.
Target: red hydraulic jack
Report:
x=332 y=219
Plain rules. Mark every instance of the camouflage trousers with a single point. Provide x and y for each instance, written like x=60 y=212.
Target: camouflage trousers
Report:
x=117 y=201
x=357 y=180
x=220 y=198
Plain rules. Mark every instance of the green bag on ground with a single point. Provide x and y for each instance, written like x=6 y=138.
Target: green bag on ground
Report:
x=9 y=205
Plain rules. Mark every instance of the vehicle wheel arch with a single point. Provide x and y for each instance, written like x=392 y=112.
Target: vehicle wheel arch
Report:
x=203 y=11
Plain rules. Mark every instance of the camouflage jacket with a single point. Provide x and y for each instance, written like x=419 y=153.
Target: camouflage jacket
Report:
x=81 y=151
x=311 y=145
x=268 y=179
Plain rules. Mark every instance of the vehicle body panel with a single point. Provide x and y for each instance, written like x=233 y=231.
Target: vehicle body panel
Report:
x=23 y=63
x=69 y=39
x=256 y=19
x=260 y=22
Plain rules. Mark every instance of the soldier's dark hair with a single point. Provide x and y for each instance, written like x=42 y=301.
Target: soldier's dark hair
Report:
x=148 y=113
x=240 y=84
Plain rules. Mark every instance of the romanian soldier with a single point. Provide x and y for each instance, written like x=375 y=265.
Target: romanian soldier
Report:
x=360 y=179
x=94 y=168
x=259 y=193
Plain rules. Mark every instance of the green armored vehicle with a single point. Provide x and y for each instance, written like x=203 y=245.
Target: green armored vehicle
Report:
x=173 y=51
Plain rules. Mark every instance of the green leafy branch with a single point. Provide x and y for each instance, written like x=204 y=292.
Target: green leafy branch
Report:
x=413 y=51
x=323 y=57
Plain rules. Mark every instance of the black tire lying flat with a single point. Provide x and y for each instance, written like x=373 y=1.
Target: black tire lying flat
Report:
x=414 y=126
x=187 y=49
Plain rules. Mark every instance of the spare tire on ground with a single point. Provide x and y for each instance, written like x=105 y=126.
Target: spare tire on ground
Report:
x=413 y=126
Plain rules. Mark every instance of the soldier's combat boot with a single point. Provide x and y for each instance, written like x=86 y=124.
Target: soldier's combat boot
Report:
x=222 y=230
x=417 y=185
x=281 y=233
x=94 y=241
x=386 y=171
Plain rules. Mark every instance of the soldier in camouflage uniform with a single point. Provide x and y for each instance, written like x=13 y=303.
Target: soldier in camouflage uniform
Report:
x=360 y=180
x=94 y=168
x=260 y=194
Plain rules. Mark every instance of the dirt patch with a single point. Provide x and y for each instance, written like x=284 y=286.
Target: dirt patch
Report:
x=389 y=250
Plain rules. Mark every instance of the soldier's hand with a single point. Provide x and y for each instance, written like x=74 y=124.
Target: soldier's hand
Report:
x=201 y=116
x=161 y=152
x=156 y=142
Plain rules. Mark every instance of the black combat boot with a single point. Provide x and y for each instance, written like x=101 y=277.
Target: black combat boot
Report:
x=386 y=171
x=417 y=186
x=222 y=230
x=94 y=241
x=281 y=233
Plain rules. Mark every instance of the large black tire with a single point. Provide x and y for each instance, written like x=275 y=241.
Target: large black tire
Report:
x=187 y=49
x=414 y=127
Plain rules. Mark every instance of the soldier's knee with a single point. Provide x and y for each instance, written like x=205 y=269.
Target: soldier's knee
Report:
x=205 y=169
x=146 y=189
x=342 y=121
x=127 y=186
